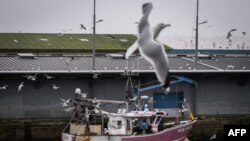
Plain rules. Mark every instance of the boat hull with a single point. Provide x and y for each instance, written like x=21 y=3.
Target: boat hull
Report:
x=177 y=133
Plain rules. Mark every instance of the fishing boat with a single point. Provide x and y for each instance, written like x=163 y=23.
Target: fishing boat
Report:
x=90 y=122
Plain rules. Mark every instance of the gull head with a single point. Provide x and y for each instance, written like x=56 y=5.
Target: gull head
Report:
x=147 y=7
x=163 y=25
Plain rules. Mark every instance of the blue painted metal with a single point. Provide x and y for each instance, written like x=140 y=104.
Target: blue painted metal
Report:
x=208 y=51
x=179 y=80
x=184 y=79
x=171 y=100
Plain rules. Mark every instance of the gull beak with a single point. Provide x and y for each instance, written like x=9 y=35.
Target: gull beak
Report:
x=167 y=25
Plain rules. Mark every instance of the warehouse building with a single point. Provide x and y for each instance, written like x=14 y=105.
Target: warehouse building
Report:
x=223 y=82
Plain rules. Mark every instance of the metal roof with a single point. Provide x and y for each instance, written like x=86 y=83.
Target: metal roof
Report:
x=107 y=64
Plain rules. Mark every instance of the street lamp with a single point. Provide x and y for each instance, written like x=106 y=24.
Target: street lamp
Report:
x=99 y=21
x=197 y=34
x=203 y=22
x=93 y=55
x=94 y=35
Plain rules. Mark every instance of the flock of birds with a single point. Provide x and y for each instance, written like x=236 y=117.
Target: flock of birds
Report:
x=229 y=35
x=225 y=42
x=33 y=78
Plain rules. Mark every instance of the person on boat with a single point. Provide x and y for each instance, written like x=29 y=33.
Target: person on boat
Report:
x=144 y=126
x=136 y=128
x=146 y=108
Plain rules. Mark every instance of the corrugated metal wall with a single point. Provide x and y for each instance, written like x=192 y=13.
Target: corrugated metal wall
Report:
x=214 y=95
x=223 y=96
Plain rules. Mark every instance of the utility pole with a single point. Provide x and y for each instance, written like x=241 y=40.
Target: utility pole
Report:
x=196 y=35
x=94 y=39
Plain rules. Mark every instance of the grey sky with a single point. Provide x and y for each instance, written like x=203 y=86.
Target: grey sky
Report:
x=53 y=16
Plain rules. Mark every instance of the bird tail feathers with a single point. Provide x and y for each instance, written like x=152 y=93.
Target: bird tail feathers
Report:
x=166 y=86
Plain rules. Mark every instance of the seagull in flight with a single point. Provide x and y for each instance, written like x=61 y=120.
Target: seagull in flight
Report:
x=48 y=77
x=65 y=102
x=95 y=75
x=229 y=34
x=244 y=33
x=20 y=87
x=3 y=87
x=69 y=109
x=151 y=50
x=213 y=137
x=55 y=87
x=31 y=77
x=82 y=27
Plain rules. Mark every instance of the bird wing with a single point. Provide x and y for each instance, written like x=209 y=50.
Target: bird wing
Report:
x=20 y=86
x=232 y=30
x=229 y=35
x=82 y=26
x=131 y=49
x=156 y=31
x=158 y=28
x=159 y=61
x=63 y=100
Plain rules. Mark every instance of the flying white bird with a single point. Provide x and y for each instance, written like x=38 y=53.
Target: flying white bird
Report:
x=133 y=99
x=31 y=77
x=48 y=77
x=69 y=109
x=65 y=102
x=94 y=100
x=151 y=50
x=20 y=87
x=3 y=87
x=55 y=87
x=213 y=137
x=95 y=75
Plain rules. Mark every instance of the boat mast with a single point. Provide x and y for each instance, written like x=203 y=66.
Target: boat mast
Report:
x=196 y=34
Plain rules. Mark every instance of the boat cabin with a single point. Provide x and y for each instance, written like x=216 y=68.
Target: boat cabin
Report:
x=134 y=122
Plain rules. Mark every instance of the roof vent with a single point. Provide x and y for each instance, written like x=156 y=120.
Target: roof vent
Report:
x=11 y=54
x=26 y=55
x=115 y=55
x=205 y=56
